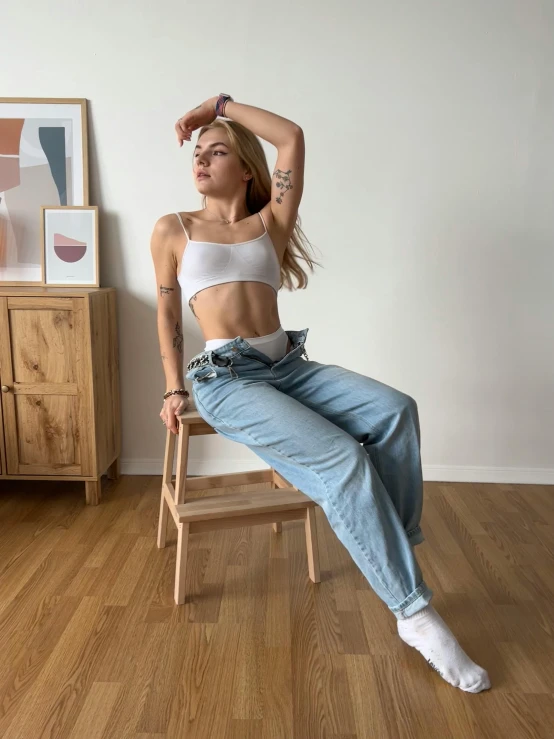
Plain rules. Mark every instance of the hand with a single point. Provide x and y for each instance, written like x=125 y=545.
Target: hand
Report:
x=202 y=115
x=174 y=405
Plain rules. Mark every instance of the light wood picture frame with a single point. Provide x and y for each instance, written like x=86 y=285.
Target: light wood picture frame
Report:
x=69 y=246
x=43 y=160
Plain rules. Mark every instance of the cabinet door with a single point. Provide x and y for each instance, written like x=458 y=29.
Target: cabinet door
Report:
x=46 y=393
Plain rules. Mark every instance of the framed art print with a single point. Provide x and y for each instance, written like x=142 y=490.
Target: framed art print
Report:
x=70 y=246
x=43 y=161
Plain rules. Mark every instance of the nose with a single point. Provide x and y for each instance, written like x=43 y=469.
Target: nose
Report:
x=201 y=160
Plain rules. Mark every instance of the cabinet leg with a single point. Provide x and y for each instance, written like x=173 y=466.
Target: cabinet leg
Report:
x=93 y=491
x=114 y=470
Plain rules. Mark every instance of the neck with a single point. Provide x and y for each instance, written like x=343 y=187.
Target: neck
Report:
x=227 y=210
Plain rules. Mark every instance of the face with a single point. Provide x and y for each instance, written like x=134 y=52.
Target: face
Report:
x=216 y=161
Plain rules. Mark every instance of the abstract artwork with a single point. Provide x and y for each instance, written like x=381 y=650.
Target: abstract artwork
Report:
x=70 y=246
x=43 y=162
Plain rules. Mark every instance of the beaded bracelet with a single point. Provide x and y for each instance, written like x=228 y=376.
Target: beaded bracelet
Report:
x=177 y=391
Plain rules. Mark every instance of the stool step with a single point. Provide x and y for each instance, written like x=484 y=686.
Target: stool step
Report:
x=243 y=504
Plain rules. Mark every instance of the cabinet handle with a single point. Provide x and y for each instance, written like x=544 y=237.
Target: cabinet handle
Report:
x=5 y=389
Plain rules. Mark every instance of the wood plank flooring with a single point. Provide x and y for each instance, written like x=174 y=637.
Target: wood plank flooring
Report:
x=92 y=645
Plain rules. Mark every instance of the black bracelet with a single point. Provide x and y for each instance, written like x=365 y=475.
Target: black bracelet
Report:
x=221 y=103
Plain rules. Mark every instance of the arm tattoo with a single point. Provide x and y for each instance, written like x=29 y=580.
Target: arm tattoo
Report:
x=284 y=183
x=165 y=290
x=178 y=339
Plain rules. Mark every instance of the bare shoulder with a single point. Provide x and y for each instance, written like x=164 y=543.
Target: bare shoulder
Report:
x=165 y=239
x=166 y=226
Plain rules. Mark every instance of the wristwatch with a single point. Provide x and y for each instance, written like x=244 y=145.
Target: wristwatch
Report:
x=220 y=105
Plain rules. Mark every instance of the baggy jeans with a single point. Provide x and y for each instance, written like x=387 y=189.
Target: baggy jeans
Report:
x=350 y=443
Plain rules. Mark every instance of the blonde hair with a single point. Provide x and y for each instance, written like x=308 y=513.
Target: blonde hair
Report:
x=258 y=193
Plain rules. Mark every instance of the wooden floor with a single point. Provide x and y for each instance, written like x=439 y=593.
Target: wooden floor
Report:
x=92 y=645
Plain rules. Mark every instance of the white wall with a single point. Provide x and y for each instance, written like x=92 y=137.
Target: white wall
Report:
x=429 y=195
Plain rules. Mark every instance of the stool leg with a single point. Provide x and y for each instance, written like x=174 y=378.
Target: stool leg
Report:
x=182 y=463
x=181 y=565
x=166 y=477
x=277 y=526
x=312 y=546
x=162 y=523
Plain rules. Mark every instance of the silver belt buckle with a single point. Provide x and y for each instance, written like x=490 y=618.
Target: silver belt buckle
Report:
x=198 y=361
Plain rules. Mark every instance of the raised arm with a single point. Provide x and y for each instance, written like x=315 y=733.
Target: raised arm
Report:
x=287 y=183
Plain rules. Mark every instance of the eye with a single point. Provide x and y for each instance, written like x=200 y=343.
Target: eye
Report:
x=215 y=152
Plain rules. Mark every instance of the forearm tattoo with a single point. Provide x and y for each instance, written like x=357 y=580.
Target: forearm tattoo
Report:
x=283 y=183
x=166 y=290
x=178 y=339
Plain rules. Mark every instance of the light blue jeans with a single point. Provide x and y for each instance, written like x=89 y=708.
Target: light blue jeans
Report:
x=350 y=443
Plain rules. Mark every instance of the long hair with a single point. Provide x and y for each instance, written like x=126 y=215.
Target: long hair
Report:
x=258 y=193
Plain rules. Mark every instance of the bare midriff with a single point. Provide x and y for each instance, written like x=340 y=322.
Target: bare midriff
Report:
x=233 y=309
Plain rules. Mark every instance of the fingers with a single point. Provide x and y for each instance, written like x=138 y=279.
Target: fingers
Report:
x=180 y=133
x=170 y=420
x=171 y=423
x=183 y=131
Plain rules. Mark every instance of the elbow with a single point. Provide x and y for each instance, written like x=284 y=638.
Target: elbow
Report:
x=169 y=314
x=293 y=136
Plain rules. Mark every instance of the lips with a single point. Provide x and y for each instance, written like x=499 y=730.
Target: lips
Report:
x=201 y=175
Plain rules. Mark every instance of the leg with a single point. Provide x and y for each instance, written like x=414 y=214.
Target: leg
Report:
x=93 y=491
x=384 y=420
x=167 y=475
x=181 y=569
x=312 y=546
x=277 y=526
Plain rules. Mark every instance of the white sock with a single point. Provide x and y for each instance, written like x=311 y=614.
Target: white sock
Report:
x=427 y=632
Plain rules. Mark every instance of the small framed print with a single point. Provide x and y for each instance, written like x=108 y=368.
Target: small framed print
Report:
x=70 y=246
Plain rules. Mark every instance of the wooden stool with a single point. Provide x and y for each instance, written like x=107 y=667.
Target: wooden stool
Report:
x=283 y=502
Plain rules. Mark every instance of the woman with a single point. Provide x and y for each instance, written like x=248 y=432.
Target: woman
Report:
x=349 y=442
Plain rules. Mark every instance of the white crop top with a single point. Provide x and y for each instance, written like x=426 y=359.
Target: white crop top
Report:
x=207 y=263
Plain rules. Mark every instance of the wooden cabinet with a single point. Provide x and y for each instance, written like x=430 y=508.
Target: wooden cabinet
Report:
x=59 y=376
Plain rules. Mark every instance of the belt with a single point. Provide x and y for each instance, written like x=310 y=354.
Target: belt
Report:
x=202 y=359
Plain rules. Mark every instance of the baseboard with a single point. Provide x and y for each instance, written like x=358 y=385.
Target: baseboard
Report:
x=431 y=473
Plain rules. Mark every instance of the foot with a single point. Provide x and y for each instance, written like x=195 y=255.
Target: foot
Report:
x=427 y=632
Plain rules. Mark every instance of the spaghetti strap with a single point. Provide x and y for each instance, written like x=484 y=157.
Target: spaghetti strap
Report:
x=261 y=216
x=182 y=224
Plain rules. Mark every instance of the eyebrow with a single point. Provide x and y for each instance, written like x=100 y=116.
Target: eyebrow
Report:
x=216 y=143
